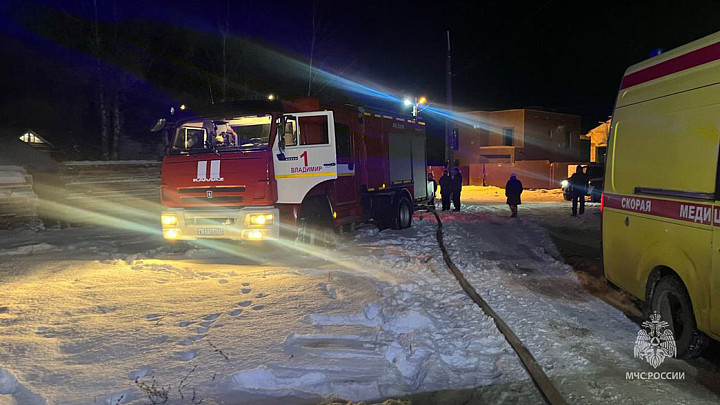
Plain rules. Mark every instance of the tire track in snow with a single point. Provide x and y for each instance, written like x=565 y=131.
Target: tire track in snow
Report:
x=541 y=380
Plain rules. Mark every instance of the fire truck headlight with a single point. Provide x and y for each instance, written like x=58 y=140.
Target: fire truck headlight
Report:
x=564 y=183
x=261 y=219
x=253 y=234
x=169 y=219
x=171 y=233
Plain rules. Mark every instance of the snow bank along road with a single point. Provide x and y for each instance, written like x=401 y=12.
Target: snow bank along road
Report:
x=96 y=315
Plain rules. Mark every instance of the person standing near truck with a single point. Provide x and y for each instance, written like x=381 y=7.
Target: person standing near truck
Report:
x=456 y=188
x=445 y=190
x=578 y=189
x=513 y=189
x=432 y=189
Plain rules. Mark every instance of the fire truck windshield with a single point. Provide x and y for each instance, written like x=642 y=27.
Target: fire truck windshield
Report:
x=241 y=132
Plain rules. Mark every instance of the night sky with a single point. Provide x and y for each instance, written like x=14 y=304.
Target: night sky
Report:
x=566 y=56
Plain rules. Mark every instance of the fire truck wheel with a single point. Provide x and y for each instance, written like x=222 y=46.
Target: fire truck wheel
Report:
x=402 y=214
x=178 y=246
x=316 y=228
x=671 y=300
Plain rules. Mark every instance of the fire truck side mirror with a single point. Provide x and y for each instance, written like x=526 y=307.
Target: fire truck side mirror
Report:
x=280 y=133
x=160 y=124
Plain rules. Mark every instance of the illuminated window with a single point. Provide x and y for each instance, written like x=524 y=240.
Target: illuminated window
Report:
x=30 y=137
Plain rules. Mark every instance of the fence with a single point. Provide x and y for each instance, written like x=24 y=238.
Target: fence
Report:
x=99 y=192
x=18 y=201
x=532 y=173
x=437 y=172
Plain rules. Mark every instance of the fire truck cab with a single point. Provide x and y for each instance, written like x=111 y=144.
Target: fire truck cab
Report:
x=257 y=170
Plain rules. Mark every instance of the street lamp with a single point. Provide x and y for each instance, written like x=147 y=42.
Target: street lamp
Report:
x=416 y=104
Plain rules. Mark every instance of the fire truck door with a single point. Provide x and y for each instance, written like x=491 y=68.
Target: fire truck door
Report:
x=308 y=157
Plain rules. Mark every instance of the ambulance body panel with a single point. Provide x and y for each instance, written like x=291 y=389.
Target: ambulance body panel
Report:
x=661 y=212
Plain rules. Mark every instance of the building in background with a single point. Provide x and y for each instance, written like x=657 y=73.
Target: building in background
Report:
x=508 y=136
x=598 y=141
x=33 y=139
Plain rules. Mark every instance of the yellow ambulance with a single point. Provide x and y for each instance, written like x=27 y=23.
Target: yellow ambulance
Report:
x=661 y=202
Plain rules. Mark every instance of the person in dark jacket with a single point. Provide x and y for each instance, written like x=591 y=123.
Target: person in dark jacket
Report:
x=513 y=189
x=578 y=189
x=445 y=190
x=456 y=188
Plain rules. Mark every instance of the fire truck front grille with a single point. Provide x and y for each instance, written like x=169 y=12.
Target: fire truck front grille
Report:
x=213 y=199
x=211 y=221
x=214 y=190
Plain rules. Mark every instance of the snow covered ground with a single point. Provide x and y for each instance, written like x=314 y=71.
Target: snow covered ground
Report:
x=113 y=316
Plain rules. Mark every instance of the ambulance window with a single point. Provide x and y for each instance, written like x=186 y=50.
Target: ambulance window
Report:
x=313 y=130
x=343 y=141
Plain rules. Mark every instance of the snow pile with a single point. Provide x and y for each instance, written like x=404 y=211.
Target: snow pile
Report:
x=18 y=201
x=422 y=335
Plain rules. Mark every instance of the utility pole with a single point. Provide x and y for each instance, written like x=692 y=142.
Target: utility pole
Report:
x=448 y=94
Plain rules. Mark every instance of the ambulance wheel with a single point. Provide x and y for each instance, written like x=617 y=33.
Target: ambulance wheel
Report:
x=403 y=213
x=670 y=299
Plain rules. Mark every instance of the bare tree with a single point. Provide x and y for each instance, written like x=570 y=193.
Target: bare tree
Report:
x=320 y=32
x=104 y=116
x=313 y=38
x=225 y=33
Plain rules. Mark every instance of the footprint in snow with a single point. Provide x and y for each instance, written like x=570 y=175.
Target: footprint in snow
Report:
x=141 y=373
x=206 y=324
x=153 y=317
x=188 y=355
x=246 y=290
x=244 y=303
x=202 y=329
x=258 y=307
x=211 y=316
x=184 y=324
x=261 y=295
x=236 y=312
x=245 y=284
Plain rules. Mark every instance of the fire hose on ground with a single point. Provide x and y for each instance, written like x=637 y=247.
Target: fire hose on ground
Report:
x=538 y=376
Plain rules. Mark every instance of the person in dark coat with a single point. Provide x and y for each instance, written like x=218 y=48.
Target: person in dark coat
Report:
x=456 y=188
x=513 y=189
x=578 y=189
x=445 y=190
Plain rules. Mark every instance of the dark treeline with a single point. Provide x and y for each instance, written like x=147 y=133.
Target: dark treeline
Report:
x=94 y=85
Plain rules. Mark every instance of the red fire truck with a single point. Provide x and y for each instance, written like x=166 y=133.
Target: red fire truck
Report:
x=256 y=170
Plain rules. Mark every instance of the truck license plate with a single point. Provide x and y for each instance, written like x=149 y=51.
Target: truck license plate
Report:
x=210 y=231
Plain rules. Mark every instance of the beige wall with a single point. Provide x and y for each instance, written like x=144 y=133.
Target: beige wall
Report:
x=537 y=135
x=598 y=139
x=551 y=136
